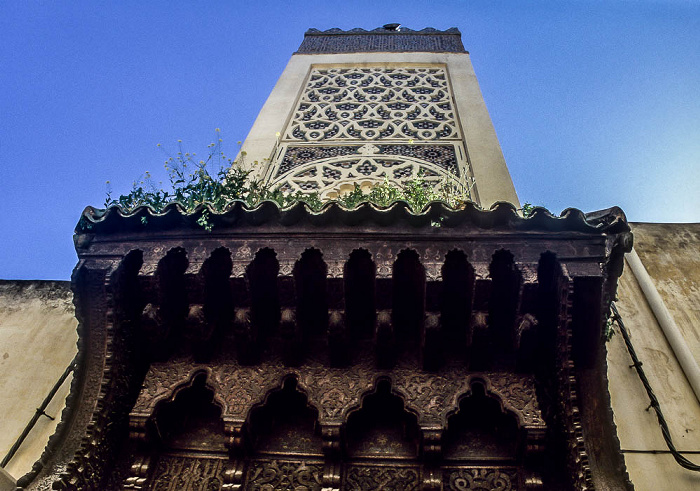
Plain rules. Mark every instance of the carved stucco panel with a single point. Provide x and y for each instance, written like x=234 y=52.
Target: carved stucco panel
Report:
x=528 y=271
x=334 y=392
x=429 y=396
x=188 y=473
x=336 y=268
x=433 y=397
x=243 y=387
x=367 y=477
x=197 y=253
x=384 y=258
x=517 y=393
x=286 y=268
x=264 y=475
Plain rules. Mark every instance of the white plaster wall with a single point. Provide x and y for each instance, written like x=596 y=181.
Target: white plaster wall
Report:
x=671 y=254
x=38 y=336
x=493 y=181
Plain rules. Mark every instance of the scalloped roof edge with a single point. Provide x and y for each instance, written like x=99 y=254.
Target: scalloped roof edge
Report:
x=174 y=215
x=380 y=30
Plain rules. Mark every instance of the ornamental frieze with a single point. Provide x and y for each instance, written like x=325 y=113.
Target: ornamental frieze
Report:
x=472 y=479
x=335 y=392
x=264 y=475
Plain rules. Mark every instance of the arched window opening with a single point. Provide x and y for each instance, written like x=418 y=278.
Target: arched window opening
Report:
x=169 y=314
x=192 y=421
x=408 y=297
x=310 y=273
x=128 y=292
x=537 y=347
x=382 y=427
x=218 y=305
x=264 y=294
x=285 y=424
x=503 y=306
x=480 y=429
x=218 y=301
x=549 y=277
x=456 y=300
x=359 y=276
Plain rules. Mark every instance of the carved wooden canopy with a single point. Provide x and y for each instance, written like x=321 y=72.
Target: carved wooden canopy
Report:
x=341 y=349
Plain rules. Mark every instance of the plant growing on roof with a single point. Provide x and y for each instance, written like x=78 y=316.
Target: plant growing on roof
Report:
x=218 y=180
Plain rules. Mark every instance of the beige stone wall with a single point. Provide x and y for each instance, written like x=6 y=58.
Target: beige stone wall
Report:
x=671 y=255
x=38 y=339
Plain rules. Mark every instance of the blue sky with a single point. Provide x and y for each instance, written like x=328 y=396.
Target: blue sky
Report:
x=595 y=103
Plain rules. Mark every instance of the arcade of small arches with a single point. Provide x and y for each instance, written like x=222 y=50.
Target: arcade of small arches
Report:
x=287 y=440
x=482 y=316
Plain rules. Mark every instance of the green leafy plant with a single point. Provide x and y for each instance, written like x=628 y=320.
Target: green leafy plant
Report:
x=192 y=183
x=214 y=181
x=218 y=179
x=527 y=209
x=609 y=330
x=416 y=192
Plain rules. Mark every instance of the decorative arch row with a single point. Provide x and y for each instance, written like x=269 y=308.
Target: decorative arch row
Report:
x=342 y=402
x=335 y=393
x=336 y=254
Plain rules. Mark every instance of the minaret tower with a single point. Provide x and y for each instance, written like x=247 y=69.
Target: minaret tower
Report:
x=360 y=107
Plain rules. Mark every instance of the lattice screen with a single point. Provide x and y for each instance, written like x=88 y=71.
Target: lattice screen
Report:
x=366 y=124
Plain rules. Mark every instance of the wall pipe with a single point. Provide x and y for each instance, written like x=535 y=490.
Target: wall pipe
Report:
x=680 y=348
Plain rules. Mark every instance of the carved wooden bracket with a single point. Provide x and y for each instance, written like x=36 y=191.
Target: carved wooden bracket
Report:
x=234 y=475
x=138 y=474
x=234 y=429
x=331 y=434
x=432 y=442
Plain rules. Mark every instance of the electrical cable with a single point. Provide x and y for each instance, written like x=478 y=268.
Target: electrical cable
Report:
x=40 y=411
x=682 y=461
